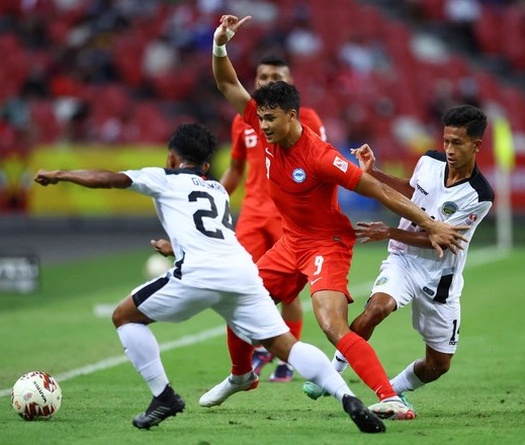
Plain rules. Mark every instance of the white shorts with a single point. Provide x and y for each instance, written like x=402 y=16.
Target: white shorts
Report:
x=252 y=316
x=438 y=323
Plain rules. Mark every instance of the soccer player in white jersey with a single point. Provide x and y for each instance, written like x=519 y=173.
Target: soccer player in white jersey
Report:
x=448 y=186
x=211 y=270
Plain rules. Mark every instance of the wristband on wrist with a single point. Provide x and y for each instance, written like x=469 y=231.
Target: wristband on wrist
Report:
x=219 y=50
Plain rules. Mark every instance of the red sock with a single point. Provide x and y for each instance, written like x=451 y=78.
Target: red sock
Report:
x=363 y=360
x=296 y=327
x=240 y=353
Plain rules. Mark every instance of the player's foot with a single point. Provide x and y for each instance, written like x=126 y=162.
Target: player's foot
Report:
x=260 y=358
x=366 y=421
x=392 y=410
x=167 y=404
x=407 y=403
x=313 y=391
x=219 y=393
x=283 y=373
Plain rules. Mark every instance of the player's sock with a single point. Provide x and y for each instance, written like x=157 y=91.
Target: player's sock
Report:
x=240 y=353
x=363 y=360
x=314 y=365
x=339 y=362
x=296 y=328
x=143 y=351
x=406 y=380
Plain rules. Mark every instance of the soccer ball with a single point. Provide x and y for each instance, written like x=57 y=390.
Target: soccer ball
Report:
x=36 y=395
x=156 y=265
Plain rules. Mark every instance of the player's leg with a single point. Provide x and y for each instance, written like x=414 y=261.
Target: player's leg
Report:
x=147 y=304
x=439 y=326
x=292 y=314
x=313 y=364
x=378 y=307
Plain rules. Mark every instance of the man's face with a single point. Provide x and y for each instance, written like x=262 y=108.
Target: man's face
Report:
x=269 y=73
x=460 y=149
x=275 y=123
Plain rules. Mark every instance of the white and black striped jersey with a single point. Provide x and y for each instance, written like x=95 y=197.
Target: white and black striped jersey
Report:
x=465 y=203
x=195 y=213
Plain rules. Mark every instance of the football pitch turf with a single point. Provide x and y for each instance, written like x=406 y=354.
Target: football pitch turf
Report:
x=65 y=329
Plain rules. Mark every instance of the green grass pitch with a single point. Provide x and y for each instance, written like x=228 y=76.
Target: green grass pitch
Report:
x=481 y=400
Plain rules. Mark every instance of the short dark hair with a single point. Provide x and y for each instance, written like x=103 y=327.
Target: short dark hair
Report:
x=272 y=60
x=193 y=142
x=278 y=94
x=468 y=116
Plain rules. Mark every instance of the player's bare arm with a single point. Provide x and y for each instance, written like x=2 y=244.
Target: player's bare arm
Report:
x=233 y=175
x=378 y=231
x=225 y=76
x=162 y=246
x=366 y=158
x=86 y=178
x=440 y=234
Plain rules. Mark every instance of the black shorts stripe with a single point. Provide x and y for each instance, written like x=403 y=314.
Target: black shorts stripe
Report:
x=147 y=291
x=443 y=289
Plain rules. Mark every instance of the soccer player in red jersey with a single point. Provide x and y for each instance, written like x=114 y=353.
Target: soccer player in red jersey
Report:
x=259 y=225
x=303 y=173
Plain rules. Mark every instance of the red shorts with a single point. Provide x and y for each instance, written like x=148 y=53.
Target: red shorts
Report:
x=258 y=233
x=286 y=269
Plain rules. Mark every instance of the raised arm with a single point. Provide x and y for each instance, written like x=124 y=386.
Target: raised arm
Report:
x=87 y=178
x=366 y=158
x=233 y=175
x=440 y=234
x=223 y=71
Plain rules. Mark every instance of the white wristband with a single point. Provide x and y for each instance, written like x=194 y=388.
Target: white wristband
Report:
x=219 y=50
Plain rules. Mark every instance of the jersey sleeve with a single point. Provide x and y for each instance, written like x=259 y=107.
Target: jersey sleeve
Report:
x=310 y=118
x=148 y=181
x=238 y=138
x=332 y=166
x=250 y=115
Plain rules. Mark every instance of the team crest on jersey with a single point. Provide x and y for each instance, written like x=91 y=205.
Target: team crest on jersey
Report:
x=299 y=175
x=341 y=164
x=449 y=208
x=381 y=280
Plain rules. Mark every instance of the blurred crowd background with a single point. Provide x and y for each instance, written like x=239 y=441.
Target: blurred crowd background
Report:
x=104 y=82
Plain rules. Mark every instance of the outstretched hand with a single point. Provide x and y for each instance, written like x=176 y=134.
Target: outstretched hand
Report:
x=365 y=156
x=45 y=178
x=228 y=27
x=448 y=236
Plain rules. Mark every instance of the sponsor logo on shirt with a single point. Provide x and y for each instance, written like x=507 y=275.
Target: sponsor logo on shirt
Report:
x=299 y=175
x=422 y=190
x=471 y=219
x=449 y=208
x=341 y=164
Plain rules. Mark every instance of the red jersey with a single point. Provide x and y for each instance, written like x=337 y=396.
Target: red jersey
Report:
x=303 y=180
x=246 y=145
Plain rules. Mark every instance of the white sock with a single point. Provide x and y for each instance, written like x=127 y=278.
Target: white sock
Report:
x=339 y=362
x=315 y=366
x=142 y=349
x=406 y=380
